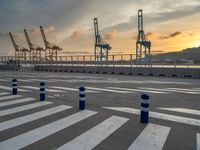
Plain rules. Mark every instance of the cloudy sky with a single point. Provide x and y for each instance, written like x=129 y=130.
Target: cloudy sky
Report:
x=171 y=25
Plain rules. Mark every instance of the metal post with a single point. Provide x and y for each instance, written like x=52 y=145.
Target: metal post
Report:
x=14 y=86
x=42 y=91
x=82 y=98
x=144 y=115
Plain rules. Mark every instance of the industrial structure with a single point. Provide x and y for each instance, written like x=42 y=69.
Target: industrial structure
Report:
x=20 y=52
x=51 y=49
x=101 y=48
x=143 y=46
x=35 y=50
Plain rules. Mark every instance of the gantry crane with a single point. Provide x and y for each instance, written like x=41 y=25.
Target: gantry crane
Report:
x=20 y=52
x=35 y=50
x=101 y=48
x=51 y=49
x=143 y=46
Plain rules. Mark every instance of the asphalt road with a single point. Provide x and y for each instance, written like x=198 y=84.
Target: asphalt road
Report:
x=111 y=120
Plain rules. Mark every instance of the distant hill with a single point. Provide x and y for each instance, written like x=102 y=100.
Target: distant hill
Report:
x=189 y=54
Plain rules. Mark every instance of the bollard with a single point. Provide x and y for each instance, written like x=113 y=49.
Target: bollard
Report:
x=82 y=98
x=42 y=91
x=144 y=116
x=14 y=86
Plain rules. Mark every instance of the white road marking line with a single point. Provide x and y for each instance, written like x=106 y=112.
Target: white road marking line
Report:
x=198 y=141
x=25 y=139
x=28 y=118
x=23 y=80
x=108 y=90
x=190 y=90
x=38 y=88
x=169 y=90
x=157 y=115
x=23 y=108
x=9 y=97
x=41 y=80
x=3 y=80
x=4 y=93
x=96 y=135
x=137 y=90
x=153 y=137
x=16 y=101
x=9 y=89
x=71 y=89
x=182 y=110
x=165 y=82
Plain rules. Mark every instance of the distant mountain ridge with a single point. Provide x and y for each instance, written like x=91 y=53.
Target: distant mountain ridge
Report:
x=187 y=54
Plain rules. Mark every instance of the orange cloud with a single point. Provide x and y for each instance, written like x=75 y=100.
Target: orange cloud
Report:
x=36 y=31
x=110 y=35
x=172 y=35
x=77 y=35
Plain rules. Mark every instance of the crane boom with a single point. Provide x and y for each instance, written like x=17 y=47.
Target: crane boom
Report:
x=13 y=41
x=28 y=39
x=44 y=36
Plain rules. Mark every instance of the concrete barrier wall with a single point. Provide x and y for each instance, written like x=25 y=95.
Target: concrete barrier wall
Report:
x=8 y=67
x=137 y=71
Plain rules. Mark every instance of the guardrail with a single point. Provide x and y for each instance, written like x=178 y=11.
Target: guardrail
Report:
x=176 y=60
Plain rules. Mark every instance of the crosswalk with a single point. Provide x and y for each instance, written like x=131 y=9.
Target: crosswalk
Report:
x=119 y=90
x=153 y=135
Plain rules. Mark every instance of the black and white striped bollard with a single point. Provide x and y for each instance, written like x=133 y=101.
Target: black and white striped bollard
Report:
x=82 y=98
x=14 y=86
x=42 y=91
x=144 y=116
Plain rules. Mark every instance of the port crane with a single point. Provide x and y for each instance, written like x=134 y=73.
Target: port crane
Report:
x=20 y=52
x=101 y=48
x=35 y=50
x=51 y=49
x=143 y=46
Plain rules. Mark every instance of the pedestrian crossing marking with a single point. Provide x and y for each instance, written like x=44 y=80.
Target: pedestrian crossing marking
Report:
x=28 y=118
x=16 y=101
x=23 y=108
x=169 y=90
x=96 y=135
x=30 y=137
x=9 y=97
x=37 y=88
x=182 y=110
x=157 y=115
x=4 y=93
x=137 y=90
x=108 y=90
x=71 y=89
x=9 y=89
x=153 y=137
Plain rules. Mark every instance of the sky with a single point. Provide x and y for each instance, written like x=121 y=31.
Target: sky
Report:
x=171 y=25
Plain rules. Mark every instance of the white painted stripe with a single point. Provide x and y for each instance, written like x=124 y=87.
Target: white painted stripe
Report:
x=168 y=90
x=182 y=110
x=41 y=80
x=9 y=89
x=23 y=108
x=96 y=135
x=16 y=101
x=3 y=80
x=145 y=101
x=137 y=90
x=145 y=109
x=82 y=98
x=23 y=140
x=157 y=115
x=22 y=80
x=9 y=97
x=153 y=137
x=38 y=88
x=4 y=93
x=108 y=90
x=72 y=89
x=28 y=118
x=190 y=90
x=198 y=141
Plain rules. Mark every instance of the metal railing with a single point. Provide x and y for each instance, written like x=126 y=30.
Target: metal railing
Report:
x=175 y=60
